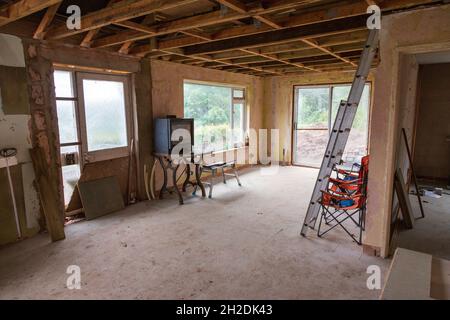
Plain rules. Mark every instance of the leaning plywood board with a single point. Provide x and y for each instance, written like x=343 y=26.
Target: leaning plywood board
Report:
x=409 y=277
x=100 y=197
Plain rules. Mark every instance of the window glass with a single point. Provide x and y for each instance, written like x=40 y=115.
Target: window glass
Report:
x=313 y=108
x=358 y=140
x=63 y=84
x=313 y=125
x=67 y=121
x=238 y=123
x=238 y=93
x=104 y=104
x=219 y=124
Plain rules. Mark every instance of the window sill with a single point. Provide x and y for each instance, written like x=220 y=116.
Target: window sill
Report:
x=229 y=150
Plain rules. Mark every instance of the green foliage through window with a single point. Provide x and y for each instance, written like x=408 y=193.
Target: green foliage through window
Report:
x=215 y=115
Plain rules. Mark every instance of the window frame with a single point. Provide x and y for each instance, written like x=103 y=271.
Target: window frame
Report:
x=77 y=77
x=234 y=100
x=331 y=87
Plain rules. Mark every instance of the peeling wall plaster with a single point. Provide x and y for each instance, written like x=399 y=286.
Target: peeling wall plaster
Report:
x=14 y=132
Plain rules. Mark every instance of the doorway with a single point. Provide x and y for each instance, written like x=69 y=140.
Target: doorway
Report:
x=94 y=120
x=431 y=158
x=315 y=108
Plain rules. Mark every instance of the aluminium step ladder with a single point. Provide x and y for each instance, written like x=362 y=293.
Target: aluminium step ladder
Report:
x=341 y=130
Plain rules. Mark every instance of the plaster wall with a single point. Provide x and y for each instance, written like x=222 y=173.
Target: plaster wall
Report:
x=14 y=132
x=402 y=34
x=432 y=151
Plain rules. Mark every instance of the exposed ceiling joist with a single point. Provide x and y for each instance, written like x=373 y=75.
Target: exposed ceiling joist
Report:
x=330 y=13
x=236 y=4
x=197 y=21
x=23 y=8
x=301 y=32
x=46 y=21
x=86 y=42
x=120 y=11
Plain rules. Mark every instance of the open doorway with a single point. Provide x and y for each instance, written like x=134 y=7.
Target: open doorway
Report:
x=431 y=157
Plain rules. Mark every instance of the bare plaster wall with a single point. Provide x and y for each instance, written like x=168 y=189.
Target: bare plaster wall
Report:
x=14 y=132
x=402 y=34
x=409 y=70
x=432 y=151
x=168 y=96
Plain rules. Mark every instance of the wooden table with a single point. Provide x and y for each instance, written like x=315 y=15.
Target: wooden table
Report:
x=173 y=165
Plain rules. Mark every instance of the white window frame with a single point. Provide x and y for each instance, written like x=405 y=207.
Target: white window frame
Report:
x=87 y=156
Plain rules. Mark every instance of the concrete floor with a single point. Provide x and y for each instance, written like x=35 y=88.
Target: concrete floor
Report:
x=243 y=244
x=432 y=234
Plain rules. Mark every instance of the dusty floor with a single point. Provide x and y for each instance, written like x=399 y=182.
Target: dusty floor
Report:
x=243 y=244
x=432 y=234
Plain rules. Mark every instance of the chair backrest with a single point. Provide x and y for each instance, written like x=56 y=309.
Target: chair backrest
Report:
x=364 y=167
x=364 y=174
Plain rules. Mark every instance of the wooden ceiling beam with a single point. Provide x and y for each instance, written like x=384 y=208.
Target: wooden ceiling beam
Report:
x=148 y=20
x=23 y=8
x=46 y=21
x=208 y=59
x=120 y=11
x=330 y=12
x=86 y=42
x=275 y=36
x=193 y=22
x=336 y=11
x=327 y=14
x=235 y=4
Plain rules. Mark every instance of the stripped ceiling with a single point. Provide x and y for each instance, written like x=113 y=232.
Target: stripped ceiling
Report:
x=262 y=38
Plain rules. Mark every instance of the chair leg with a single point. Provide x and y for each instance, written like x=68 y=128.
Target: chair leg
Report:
x=211 y=183
x=320 y=222
x=237 y=176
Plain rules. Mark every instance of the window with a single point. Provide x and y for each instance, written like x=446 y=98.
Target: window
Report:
x=106 y=125
x=315 y=112
x=66 y=107
x=219 y=114
x=93 y=120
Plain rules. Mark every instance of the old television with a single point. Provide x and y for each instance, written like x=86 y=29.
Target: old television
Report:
x=163 y=130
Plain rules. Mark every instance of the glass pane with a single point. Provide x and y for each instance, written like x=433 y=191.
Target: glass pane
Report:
x=238 y=123
x=358 y=140
x=210 y=107
x=238 y=93
x=313 y=108
x=311 y=145
x=63 y=84
x=67 y=121
x=104 y=104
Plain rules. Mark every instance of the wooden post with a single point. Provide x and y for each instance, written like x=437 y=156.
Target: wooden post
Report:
x=143 y=123
x=45 y=138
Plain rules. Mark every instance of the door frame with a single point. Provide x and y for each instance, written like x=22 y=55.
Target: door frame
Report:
x=106 y=154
